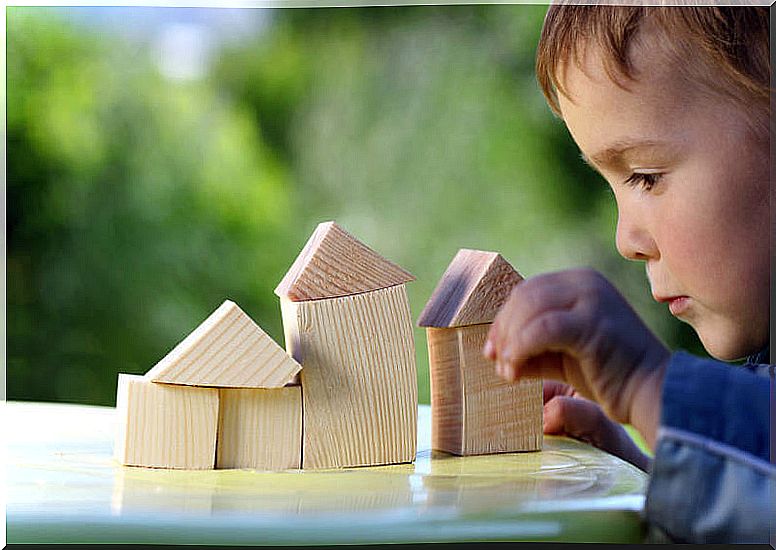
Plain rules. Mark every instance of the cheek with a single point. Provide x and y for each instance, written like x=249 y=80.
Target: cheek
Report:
x=684 y=248
x=712 y=234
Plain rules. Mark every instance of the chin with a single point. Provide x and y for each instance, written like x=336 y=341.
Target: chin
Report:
x=727 y=348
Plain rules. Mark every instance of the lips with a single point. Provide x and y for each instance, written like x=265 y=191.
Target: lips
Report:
x=676 y=304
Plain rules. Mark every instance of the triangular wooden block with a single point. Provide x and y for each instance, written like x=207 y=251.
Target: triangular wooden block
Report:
x=333 y=263
x=227 y=350
x=471 y=291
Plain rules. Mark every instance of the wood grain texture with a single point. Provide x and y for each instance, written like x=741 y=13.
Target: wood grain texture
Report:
x=334 y=263
x=471 y=291
x=446 y=387
x=227 y=350
x=493 y=416
x=359 y=381
x=165 y=426
x=260 y=428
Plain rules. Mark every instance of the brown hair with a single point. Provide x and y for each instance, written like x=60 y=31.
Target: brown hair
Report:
x=729 y=46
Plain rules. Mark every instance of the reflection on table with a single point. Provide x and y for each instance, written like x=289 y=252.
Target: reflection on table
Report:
x=61 y=473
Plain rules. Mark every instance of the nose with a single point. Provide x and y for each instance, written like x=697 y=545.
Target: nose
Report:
x=634 y=241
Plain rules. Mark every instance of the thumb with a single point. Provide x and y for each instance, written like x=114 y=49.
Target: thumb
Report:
x=552 y=388
x=576 y=417
x=585 y=420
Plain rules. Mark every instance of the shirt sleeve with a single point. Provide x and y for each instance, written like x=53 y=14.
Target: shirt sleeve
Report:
x=713 y=478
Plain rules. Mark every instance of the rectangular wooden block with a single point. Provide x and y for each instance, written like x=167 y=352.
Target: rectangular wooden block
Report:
x=165 y=426
x=359 y=380
x=446 y=388
x=260 y=428
x=473 y=410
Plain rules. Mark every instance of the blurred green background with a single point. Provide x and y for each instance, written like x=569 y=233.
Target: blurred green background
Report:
x=162 y=160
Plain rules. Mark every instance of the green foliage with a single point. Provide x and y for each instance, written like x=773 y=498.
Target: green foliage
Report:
x=137 y=204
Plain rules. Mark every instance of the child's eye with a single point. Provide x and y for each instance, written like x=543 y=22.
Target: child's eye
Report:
x=646 y=181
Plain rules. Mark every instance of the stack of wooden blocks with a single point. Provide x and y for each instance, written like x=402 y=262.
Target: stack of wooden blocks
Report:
x=224 y=397
x=344 y=391
x=347 y=319
x=228 y=396
x=473 y=411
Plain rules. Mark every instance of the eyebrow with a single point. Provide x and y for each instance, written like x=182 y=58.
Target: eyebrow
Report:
x=614 y=153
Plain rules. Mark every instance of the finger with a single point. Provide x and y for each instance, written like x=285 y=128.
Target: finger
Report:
x=584 y=420
x=557 y=290
x=547 y=366
x=551 y=388
x=577 y=418
x=527 y=300
x=554 y=331
x=553 y=419
x=541 y=293
x=489 y=350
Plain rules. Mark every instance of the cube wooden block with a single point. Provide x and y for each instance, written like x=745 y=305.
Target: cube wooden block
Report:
x=260 y=428
x=359 y=381
x=473 y=410
x=165 y=426
x=227 y=350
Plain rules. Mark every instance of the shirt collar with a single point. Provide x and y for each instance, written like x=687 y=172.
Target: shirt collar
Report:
x=762 y=357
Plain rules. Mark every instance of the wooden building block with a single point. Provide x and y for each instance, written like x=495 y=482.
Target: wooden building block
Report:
x=346 y=318
x=227 y=350
x=334 y=263
x=359 y=385
x=165 y=426
x=471 y=290
x=473 y=410
x=260 y=428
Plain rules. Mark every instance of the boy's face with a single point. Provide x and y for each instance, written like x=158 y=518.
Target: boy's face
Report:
x=698 y=214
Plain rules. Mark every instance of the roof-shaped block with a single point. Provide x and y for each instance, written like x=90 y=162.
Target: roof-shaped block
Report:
x=471 y=291
x=334 y=263
x=227 y=350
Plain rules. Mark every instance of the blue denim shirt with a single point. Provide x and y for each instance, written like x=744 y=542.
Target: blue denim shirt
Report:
x=713 y=477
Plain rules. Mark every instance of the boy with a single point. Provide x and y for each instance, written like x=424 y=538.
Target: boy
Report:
x=671 y=107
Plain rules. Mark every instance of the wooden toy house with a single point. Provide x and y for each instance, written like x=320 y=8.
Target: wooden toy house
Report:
x=347 y=321
x=473 y=410
x=223 y=397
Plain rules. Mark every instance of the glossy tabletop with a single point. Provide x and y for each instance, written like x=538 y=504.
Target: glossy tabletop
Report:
x=64 y=486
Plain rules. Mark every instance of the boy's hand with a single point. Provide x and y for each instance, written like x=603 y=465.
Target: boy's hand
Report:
x=574 y=326
x=566 y=413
